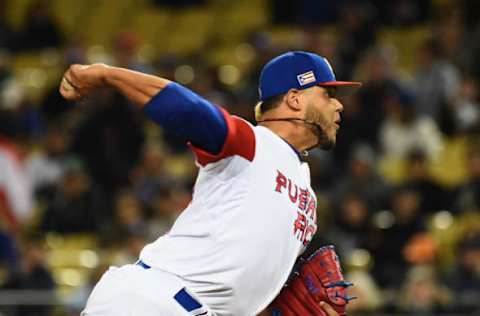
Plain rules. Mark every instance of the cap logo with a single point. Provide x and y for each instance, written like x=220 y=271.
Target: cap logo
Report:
x=306 y=78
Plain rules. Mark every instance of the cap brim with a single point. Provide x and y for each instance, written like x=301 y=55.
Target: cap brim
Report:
x=344 y=88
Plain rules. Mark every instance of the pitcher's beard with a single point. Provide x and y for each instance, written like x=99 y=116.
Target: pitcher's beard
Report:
x=323 y=142
x=326 y=144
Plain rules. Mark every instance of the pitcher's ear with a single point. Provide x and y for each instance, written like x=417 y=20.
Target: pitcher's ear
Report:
x=292 y=99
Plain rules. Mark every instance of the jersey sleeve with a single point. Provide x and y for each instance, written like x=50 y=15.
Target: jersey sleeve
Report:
x=210 y=131
x=189 y=116
x=240 y=141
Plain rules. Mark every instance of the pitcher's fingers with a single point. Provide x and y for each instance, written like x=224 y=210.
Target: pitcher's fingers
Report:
x=70 y=77
x=68 y=93
x=69 y=82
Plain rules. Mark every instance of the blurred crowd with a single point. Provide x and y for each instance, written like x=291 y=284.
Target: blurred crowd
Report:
x=408 y=238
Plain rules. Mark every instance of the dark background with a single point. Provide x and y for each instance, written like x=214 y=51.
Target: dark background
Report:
x=84 y=186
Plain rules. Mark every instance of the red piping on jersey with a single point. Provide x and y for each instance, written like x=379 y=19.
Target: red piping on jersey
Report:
x=240 y=141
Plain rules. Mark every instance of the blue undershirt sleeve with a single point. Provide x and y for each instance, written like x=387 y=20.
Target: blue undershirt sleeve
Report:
x=189 y=116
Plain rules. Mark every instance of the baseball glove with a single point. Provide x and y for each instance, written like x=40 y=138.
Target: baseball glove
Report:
x=317 y=279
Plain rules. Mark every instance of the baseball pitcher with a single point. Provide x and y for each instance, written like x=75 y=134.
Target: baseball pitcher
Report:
x=253 y=212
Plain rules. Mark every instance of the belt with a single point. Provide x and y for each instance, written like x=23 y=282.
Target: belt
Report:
x=187 y=301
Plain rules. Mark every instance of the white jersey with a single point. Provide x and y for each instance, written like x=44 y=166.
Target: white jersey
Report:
x=252 y=214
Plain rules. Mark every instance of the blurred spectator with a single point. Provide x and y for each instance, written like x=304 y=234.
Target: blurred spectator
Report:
x=469 y=194
x=376 y=71
x=436 y=79
x=24 y=119
x=352 y=228
x=403 y=130
x=30 y=121
x=76 y=205
x=129 y=217
x=370 y=298
x=40 y=30
x=362 y=179
x=465 y=277
x=432 y=195
x=422 y=292
x=46 y=167
x=466 y=105
x=150 y=176
x=462 y=114
x=16 y=198
x=33 y=274
x=11 y=92
x=109 y=140
x=392 y=238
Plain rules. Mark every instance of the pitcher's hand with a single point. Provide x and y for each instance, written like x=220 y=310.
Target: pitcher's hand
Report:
x=80 y=80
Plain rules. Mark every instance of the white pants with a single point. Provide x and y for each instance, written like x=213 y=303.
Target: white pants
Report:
x=134 y=290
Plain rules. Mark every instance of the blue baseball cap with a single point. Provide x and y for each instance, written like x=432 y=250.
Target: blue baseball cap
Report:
x=300 y=70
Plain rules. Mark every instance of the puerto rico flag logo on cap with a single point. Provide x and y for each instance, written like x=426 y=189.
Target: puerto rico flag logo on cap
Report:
x=306 y=78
